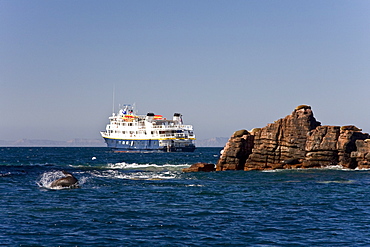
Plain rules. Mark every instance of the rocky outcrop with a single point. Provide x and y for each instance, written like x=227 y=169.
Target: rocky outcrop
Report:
x=321 y=147
x=347 y=144
x=282 y=141
x=200 y=167
x=362 y=155
x=296 y=141
x=236 y=151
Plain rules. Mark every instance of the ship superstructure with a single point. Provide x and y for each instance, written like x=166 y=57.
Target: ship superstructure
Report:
x=128 y=131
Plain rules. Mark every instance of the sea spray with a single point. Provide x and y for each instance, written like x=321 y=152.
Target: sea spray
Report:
x=147 y=166
x=136 y=175
x=47 y=178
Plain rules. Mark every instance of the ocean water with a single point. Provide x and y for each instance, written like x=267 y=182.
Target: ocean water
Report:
x=143 y=199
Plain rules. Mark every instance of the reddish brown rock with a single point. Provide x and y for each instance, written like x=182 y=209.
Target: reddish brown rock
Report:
x=282 y=140
x=296 y=141
x=362 y=155
x=347 y=144
x=333 y=145
x=200 y=167
x=236 y=151
x=321 y=147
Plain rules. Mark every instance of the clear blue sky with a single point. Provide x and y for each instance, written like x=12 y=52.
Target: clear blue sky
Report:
x=225 y=65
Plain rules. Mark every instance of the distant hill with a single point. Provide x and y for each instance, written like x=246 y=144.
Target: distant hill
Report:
x=50 y=143
x=212 y=142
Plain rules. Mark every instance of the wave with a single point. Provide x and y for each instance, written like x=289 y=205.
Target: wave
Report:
x=336 y=182
x=6 y=174
x=115 y=174
x=120 y=170
x=124 y=165
x=332 y=167
x=47 y=178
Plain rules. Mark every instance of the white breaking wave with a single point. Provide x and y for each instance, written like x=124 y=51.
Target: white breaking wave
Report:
x=47 y=178
x=136 y=175
x=124 y=165
x=332 y=167
x=336 y=182
x=122 y=170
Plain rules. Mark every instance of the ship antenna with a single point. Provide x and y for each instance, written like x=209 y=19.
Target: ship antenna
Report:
x=114 y=89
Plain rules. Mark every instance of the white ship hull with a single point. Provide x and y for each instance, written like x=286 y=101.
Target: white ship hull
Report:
x=149 y=145
x=130 y=132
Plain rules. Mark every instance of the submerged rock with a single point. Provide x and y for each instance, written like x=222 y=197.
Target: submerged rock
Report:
x=200 y=167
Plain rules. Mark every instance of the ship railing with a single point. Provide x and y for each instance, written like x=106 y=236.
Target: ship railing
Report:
x=181 y=136
x=173 y=127
x=174 y=136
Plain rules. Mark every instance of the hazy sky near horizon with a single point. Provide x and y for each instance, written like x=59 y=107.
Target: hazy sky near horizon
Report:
x=225 y=65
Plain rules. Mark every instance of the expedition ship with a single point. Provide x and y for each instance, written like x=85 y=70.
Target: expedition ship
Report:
x=128 y=131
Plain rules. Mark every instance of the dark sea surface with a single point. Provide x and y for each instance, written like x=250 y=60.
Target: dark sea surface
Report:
x=143 y=199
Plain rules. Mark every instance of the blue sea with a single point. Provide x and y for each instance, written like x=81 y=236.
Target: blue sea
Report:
x=143 y=199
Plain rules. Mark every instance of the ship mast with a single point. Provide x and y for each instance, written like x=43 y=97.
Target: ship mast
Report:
x=114 y=89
